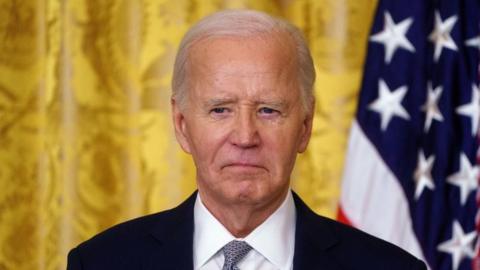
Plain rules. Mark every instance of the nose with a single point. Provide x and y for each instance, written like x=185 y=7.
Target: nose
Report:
x=245 y=133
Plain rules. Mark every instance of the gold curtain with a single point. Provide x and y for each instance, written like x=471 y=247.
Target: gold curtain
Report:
x=85 y=132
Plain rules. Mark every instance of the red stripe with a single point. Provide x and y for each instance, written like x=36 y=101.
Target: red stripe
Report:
x=342 y=217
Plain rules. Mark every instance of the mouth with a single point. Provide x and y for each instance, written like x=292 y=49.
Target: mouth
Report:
x=243 y=166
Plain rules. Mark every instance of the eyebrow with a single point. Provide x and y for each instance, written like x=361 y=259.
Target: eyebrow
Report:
x=274 y=103
x=223 y=101
x=218 y=101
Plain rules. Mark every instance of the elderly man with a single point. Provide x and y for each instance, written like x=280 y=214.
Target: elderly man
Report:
x=242 y=107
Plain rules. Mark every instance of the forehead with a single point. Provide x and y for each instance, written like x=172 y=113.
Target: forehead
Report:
x=274 y=49
x=258 y=63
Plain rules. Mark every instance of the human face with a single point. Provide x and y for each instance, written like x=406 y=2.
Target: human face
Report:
x=244 y=120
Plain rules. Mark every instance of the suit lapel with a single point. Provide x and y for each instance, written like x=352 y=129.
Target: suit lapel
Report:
x=173 y=239
x=314 y=240
x=172 y=245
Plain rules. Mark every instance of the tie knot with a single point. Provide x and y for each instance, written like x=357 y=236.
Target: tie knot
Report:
x=234 y=252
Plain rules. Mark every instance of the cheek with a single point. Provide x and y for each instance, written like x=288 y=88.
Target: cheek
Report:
x=280 y=149
x=206 y=141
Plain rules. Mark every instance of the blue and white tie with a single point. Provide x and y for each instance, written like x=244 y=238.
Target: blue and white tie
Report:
x=234 y=252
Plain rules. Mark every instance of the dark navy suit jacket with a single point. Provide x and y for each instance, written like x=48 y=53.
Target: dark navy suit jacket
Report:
x=165 y=241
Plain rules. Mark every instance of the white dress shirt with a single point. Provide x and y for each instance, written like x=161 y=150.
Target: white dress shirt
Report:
x=273 y=242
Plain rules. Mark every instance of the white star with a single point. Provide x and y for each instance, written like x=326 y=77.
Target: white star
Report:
x=441 y=34
x=466 y=179
x=472 y=109
x=388 y=103
x=459 y=246
x=431 y=106
x=393 y=36
x=423 y=174
x=474 y=42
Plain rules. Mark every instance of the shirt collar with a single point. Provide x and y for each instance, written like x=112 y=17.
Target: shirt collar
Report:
x=274 y=238
x=209 y=234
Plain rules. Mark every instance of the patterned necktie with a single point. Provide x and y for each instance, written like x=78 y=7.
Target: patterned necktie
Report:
x=234 y=252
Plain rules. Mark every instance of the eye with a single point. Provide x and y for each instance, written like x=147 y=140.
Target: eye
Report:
x=219 y=110
x=266 y=110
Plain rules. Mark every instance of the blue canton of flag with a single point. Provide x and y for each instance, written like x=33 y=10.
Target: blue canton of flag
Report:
x=419 y=108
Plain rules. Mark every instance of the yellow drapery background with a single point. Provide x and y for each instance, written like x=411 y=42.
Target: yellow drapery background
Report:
x=85 y=131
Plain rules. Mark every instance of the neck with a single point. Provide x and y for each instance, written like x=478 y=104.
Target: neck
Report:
x=241 y=218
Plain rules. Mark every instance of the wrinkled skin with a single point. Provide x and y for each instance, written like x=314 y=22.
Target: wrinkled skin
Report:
x=244 y=123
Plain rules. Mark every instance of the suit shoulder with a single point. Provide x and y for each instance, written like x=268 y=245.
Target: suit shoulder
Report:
x=122 y=237
x=355 y=236
x=347 y=247
x=131 y=240
x=128 y=230
x=141 y=226
x=370 y=250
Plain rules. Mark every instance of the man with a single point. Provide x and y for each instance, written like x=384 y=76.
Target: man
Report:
x=242 y=107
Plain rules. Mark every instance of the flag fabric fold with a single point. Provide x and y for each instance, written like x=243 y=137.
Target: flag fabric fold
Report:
x=411 y=173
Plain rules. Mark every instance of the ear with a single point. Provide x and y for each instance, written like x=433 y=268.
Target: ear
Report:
x=306 y=129
x=180 y=126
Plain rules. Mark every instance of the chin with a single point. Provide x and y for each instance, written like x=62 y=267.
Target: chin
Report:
x=249 y=192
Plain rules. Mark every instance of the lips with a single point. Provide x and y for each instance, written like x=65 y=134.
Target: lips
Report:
x=243 y=160
x=246 y=165
x=243 y=164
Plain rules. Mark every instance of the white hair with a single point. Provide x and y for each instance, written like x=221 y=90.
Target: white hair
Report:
x=244 y=23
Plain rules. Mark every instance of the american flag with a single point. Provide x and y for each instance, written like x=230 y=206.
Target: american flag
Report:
x=411 y=175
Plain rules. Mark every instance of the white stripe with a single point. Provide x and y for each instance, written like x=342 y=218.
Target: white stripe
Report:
x=372 y=198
